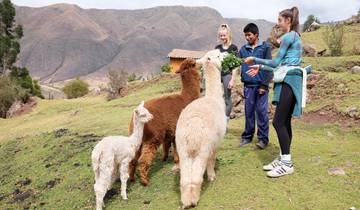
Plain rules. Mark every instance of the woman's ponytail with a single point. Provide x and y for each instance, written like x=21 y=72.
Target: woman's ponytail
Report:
x=293 y=14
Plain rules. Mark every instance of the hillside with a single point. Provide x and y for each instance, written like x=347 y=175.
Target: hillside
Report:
x=63 y=41
x=45 y=155
x=351 y=39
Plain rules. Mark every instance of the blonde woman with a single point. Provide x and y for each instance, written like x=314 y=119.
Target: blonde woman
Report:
x=227 y=78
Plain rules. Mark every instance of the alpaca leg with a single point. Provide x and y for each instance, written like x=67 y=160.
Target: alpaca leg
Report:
x=191 y=178
x=102 y=185
x=132 y=165
x=166 y=148
x=124 y=176
x=210 y=168
x=176 y=166
x=148 y=153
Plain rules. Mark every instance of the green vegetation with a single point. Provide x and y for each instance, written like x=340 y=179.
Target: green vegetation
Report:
x=165 y=68
x=76 y=88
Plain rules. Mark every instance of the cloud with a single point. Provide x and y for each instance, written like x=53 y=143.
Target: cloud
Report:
x=326 y=10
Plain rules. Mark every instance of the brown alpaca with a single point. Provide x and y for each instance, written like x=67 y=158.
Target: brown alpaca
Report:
x=161 y=130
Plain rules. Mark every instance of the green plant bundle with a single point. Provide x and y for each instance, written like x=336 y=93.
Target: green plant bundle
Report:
x=230 y=62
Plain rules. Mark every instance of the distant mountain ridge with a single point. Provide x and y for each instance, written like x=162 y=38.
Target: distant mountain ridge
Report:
x=63 y=41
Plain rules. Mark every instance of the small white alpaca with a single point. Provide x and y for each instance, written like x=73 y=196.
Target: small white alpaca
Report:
x=201 y=126
x=113 y=154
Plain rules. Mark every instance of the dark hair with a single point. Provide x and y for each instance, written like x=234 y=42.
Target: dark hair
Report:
x=251 y=27
x=293 y=14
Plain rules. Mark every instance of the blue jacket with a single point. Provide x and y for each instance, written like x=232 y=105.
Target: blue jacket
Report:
x=263 y=51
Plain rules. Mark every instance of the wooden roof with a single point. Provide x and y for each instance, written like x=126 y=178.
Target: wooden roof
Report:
x=179 y=53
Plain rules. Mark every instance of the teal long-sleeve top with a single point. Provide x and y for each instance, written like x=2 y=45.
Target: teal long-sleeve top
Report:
x=289 y=54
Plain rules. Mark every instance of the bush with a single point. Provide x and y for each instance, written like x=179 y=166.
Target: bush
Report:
x=76 y=88
x=166 y=68
x=22 y=77
x=9 y=93
x=333 y=36
x=132 y=77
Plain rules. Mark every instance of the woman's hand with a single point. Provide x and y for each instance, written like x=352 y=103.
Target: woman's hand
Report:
x=249 y=60
x=253 y=70
x=231 y=84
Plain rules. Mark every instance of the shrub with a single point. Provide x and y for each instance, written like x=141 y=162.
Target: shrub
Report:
x=333 y=36
x=9 y=93
x=132 y=77
x=165 y=68
x=76 y=88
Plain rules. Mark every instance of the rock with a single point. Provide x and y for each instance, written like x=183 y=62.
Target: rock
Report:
x=60 y=132
x=355 y=70
x=24 y=182
x=20 y=196
x=353 y=112
x=309 y=50
x=18 y=108
x=147 y=202
x=329 y=134
x=275 y=34
x=340 y=86
x=313 y=27
x=336 y=171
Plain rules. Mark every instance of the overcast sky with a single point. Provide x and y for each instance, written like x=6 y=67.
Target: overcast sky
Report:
x=325 y=10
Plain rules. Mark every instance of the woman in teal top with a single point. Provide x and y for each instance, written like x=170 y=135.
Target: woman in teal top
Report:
x=287 y=94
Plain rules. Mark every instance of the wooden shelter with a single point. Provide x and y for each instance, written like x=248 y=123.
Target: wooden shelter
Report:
x=177 y=56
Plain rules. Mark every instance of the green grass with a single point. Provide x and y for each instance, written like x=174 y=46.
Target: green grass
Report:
x=30 y=148
x=351 y=38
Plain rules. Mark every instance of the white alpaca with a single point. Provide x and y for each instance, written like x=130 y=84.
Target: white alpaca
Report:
x=201 y=126
x=113 y=154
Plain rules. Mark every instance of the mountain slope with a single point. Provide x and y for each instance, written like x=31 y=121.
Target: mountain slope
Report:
x=63 y=41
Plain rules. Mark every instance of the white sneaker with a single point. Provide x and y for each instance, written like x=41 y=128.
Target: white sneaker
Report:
x=280 y=171
x=273 y=165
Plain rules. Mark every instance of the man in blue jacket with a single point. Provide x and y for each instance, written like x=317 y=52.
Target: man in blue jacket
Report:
x=256 y=89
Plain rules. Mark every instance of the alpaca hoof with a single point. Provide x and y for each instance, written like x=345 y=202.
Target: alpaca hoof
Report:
x=211 y=178
x=164 y=159
x=132 y=179
x=145 y=183
x=124 y=197
x=175 y=168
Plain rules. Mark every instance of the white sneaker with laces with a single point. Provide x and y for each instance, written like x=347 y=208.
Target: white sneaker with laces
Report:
x=280 y=171
x=273 y=165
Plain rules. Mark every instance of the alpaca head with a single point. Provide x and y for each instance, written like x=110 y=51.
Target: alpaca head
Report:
x=142 y=114
x=212 y=57
x=186 y=65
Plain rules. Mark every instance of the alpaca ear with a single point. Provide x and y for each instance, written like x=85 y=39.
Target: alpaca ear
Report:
x=142 y=103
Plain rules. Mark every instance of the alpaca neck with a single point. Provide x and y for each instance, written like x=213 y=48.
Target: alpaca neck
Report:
x=190 y=86
x=137 y=134
x=213 y=81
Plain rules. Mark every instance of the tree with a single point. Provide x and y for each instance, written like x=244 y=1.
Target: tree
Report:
x=76 y=88
x=165 y=68
x=117 y=82
x=333 y=36
x=309 y=20
x=10 y=35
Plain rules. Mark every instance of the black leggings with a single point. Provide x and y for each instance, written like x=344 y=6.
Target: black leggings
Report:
x=282 y=118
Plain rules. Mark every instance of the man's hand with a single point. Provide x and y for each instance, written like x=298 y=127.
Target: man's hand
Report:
x=253 y=70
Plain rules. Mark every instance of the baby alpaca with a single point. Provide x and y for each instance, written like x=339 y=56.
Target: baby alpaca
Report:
x=201 y=126
x=113 y=154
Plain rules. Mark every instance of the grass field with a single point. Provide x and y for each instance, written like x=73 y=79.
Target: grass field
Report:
x=45 y=157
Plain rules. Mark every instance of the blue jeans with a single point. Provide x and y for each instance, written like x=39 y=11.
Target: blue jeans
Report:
x=256 y=107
